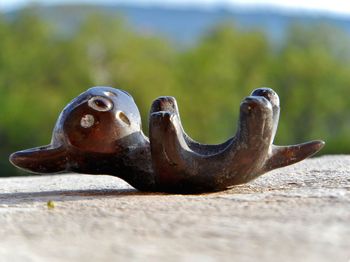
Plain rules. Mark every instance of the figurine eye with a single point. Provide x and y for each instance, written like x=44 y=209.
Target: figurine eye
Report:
x=100 y=103
x=87 y=121
x=123 y=118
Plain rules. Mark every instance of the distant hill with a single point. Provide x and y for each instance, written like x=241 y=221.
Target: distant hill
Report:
x=186 y=25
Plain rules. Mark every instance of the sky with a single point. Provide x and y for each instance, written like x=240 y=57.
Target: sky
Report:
x=341 y=7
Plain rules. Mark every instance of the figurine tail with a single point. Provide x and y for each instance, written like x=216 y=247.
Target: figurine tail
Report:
x=287 y=155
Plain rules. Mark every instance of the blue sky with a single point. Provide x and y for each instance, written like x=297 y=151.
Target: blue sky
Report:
x=334 y=6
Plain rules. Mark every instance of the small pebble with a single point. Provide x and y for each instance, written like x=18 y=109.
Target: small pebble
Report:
x=50 y=204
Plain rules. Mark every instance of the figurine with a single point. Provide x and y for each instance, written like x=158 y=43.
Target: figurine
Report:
x=99 y=132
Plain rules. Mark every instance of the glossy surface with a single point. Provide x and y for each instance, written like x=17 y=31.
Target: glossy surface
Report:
x=99 y=132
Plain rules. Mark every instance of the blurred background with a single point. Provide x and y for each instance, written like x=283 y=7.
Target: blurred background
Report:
x=208 y=54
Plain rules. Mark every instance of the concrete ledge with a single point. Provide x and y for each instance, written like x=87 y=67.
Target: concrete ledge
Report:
x=299 y=213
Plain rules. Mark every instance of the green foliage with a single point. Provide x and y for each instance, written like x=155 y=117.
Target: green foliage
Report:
x=41 y=71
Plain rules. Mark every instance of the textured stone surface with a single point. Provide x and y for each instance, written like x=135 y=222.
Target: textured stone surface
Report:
x=299 y=213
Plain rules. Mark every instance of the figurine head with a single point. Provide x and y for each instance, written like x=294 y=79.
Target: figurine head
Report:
x=102 y=120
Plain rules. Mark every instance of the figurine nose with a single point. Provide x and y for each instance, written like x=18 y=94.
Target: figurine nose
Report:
x=16 y=159
x=40 y=159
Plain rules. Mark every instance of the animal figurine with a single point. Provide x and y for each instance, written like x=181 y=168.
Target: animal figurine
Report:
x=99 y=132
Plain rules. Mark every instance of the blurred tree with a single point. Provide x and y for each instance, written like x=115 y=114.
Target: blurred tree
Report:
x=120 y=57
x=224 y=67
x=37 y=72
x=41 y=71
x=311 y=73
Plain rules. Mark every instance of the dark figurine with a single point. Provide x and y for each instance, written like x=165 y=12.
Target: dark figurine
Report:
x=99 y=132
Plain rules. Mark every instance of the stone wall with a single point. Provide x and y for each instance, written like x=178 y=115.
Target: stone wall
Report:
x=298 y=213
